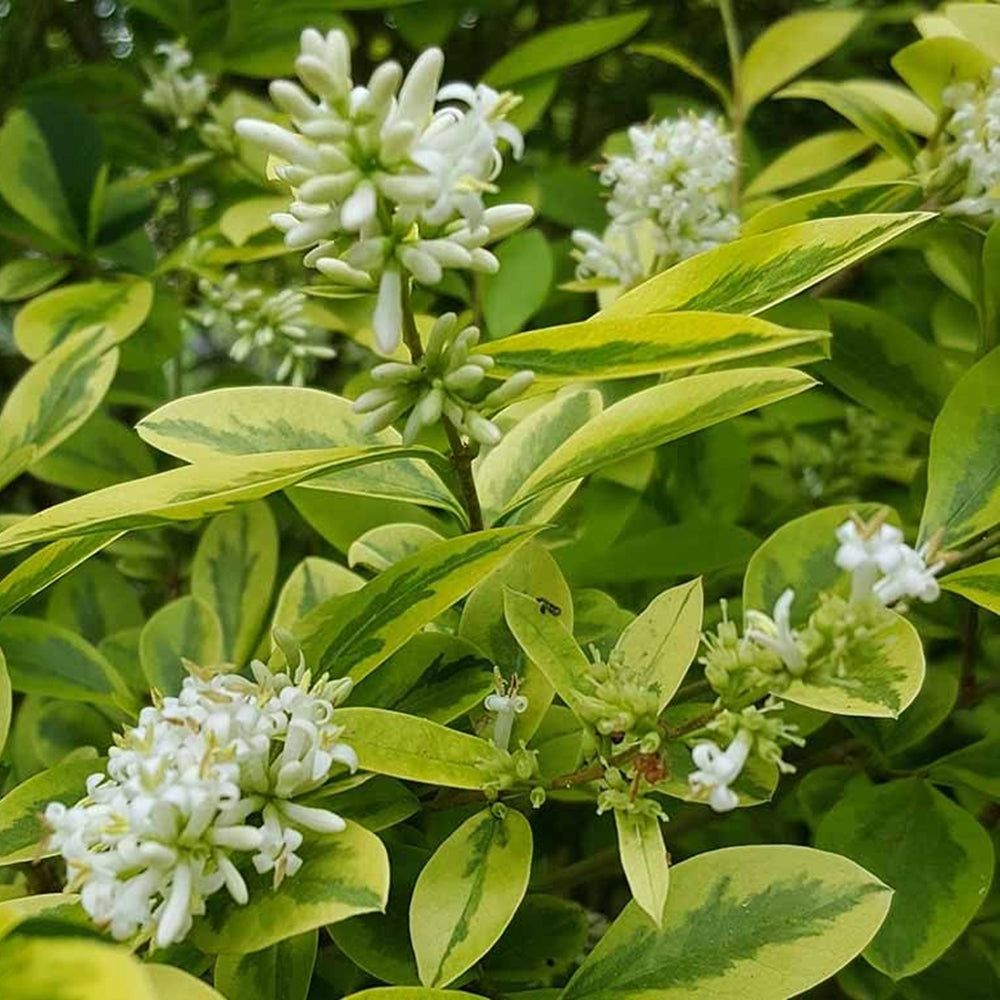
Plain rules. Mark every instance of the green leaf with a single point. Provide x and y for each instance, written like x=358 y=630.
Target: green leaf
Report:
x=379 y=943
x=543 y=940
x=533 y=572
x=47 y=565
x=761 y=923
x=52 y=399
x=882 y=364
x=252 y=419
x=898 y=102
x=929 y=710
x=21 y=828
x=862 y=112
x=675 y=57
x=58 y=729
x=311 y=583
x=468 y=892
x=185 y=629
x=404 y=746
x=564 y=46
x=354 y=633
x=665 y=553
x=790 y=46
x=6 y=701
x=379 y=548
x=979 y=584
x=974 y=766
x=250 y=217
x=411 y=993
x=119 y=307
x=808 y=159
x=754 y=273
x=800 y=555
x=644 y=860
x=502 y=471
x=981 y=24
x=377 y=804
x=660 y=644
x=43 y=658
x=657 y=415
x=171 y=983
x=536 y=95
x=436 y=676
x=342 y=874
x=932 y=64
x=183 y=494
x=100 y=453
x=627 y=346
x=233 y=572
x=93 y=601
x=28 y=276
x=841 y=200
x=51 y=153
x=68 y=968
x=519 y=289
x=932 y=852
x=262 y=40
x=549 y=645
x=963 y=489
x=281 y=972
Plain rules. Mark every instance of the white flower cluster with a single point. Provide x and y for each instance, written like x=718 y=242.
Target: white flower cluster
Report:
x=673 y=185
x=883 y=566
x=156 y=835
x=173 y=93
x=386 y=182
x=975 y=127
x=448 y=380
x=269 y=329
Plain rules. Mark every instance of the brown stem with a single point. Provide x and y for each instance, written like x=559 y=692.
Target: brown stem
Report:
x=461 y=460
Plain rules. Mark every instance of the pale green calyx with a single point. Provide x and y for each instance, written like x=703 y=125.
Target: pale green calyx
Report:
x=449 y=380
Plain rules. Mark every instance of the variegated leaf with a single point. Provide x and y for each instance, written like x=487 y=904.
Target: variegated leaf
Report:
x=468 y=892
x=757 y=923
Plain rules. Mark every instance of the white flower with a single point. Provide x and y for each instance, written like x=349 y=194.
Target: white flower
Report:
x=677 y=177
x=173 y=94
x=911 y=577
x=883 y=566
x=975 y=127
x=158 y=833
x=507 y=707
x=717 y=769
x=776 y=633
x=388 y=179
x=270 y=331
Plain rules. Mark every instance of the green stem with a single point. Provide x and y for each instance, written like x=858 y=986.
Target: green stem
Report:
x=461 y=455
x=737 y=112
x=975 y=550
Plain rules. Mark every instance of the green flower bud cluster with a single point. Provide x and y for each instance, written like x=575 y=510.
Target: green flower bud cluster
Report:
x=449 y=380
x=838 y=637
x=768 y=731
x=620 y=794
x=507 y=769
x=735 y=666
x=841 y=636
x=619 y=707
